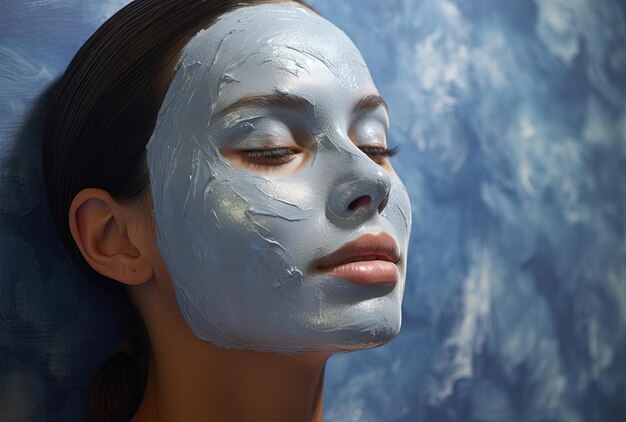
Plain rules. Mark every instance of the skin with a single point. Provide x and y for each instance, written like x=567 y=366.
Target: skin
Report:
x=265 y=79
x=119 y=241
x=191 y=378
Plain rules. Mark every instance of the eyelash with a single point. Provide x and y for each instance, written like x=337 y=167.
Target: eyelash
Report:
x=380 y=151
x=273 y=154
x=280 y=156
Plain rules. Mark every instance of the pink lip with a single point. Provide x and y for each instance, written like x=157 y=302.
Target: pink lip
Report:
x=373 y=260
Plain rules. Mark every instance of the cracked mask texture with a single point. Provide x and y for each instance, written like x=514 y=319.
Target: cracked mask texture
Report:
x=239 y=243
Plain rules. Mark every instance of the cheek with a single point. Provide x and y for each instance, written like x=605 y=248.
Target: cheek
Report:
x=225 y=208
x=289 y=215
x=398 y=210
x=250 y=233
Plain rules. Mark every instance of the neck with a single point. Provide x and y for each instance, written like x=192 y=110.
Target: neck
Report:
x=190 y=379
x=246 y=387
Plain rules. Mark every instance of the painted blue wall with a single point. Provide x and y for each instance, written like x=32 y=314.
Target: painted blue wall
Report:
x=511 y=121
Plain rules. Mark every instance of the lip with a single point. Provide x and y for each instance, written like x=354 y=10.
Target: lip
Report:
x=369 y=260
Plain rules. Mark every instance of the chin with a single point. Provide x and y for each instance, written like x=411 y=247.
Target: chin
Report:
x=370 y=339
x=374 y=336
x=356 y=331
x=341 y=324
x=360 y=327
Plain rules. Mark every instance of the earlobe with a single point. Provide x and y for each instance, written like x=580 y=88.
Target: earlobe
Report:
x=101 y=228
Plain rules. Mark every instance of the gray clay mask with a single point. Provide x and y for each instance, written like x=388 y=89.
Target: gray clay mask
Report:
x=240 y=230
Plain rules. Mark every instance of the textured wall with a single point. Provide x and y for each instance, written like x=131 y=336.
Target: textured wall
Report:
x=511 y=121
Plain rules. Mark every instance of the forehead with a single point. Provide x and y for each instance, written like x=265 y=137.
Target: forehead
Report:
x=282 y=47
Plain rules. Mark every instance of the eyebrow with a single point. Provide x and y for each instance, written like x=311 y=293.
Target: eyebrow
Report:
x=275 y=100
x=369 y=103
x=297 y=103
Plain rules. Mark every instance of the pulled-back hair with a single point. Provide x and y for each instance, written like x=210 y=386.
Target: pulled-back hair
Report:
x=103 y=115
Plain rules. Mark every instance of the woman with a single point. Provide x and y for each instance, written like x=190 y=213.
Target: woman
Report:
x=225 y=164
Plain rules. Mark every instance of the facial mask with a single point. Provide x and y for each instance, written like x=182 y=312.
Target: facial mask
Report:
x=239 y=242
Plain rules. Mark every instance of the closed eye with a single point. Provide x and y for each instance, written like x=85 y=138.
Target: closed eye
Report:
x=380 y=152
x=269 y=157
x=284 y=154
x=274 y=158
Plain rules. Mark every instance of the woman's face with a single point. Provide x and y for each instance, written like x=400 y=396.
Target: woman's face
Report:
x=267 y=157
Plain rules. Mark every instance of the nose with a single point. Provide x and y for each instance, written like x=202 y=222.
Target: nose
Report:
x=360 y=194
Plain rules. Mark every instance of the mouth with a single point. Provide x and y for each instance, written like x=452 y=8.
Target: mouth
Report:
x=369 y=260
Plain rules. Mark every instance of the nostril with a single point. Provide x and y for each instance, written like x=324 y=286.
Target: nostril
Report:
x=359 y=202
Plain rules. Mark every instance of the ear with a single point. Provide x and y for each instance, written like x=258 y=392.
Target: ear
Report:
x=113 y=238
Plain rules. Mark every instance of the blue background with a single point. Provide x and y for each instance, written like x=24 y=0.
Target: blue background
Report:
x=511 y=122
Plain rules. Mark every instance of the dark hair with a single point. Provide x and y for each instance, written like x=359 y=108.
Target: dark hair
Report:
x=97 y=128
